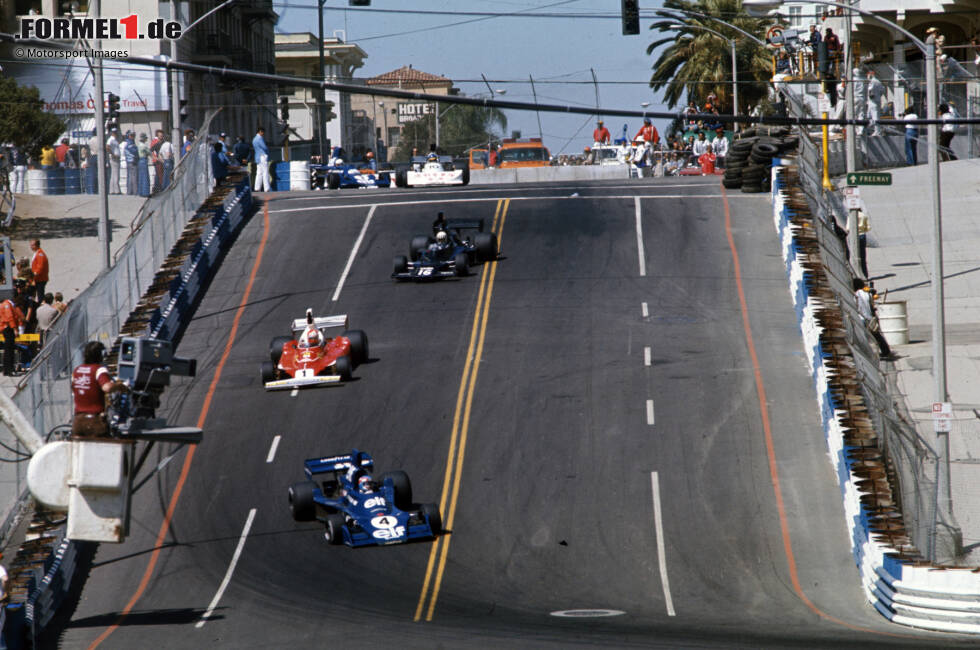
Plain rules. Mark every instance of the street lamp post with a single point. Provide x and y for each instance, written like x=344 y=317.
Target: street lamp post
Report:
x=928 y=48
x=321 y=98
x=384 y=116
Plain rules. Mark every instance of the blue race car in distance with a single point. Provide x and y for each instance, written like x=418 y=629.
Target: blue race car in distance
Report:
x=451 y=252
x=358 y=510
x=343 y=176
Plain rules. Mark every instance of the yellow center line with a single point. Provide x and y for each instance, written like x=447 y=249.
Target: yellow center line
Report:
x=461 y=417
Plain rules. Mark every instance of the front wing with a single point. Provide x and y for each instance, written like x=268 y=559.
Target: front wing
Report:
x=297 y=382
x=420 y=272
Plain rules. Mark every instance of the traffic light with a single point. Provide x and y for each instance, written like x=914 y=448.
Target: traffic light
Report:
x=112 y=116
x=284 y=108
x=631 y=17
x=328 y=113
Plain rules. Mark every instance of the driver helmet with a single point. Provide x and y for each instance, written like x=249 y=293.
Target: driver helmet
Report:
x=433 y=156
x=312 y=336
x=364 y=484
x=441 y=237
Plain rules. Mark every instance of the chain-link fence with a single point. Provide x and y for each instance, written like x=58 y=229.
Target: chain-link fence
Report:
x=44 y=394
x=912 y=464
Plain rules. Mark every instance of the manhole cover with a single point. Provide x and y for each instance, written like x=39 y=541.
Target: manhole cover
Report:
x=587 y=613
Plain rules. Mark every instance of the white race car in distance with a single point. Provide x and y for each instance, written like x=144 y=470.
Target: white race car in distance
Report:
x=441 y=171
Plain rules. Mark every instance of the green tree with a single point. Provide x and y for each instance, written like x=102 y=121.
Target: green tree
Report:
x=696 y=62
x=460 y=128
x=23 y=121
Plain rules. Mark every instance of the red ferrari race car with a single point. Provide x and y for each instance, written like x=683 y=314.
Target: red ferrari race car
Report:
x=310 y=358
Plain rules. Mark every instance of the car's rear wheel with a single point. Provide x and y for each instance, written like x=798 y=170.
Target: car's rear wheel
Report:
x=401 y=264
x=419 y=244
x=401 y=178
x=333 y=181
x=344 y=368
x=268 y=370
x=384 y=178
x=358 y=345
x=431 y=511
x=466 y=175
x=301 y=502
x=275 y=348
x=462 y=267
x=402 y=486
x=486 y=246
x=335 y=529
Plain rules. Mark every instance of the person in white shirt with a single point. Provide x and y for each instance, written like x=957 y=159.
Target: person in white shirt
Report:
x=700 y=145
x=947 y=112
x=720 y=146
x=911 y=137
x=112 y=149
x=875 y=90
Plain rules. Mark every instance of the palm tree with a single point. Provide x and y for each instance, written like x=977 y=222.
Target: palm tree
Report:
x=697 y=62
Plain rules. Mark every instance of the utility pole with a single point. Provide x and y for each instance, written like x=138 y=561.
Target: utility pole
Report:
x=321 y=97
x=105 y=232
x=175 y=91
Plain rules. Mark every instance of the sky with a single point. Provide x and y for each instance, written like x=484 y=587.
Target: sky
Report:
x=556 y=51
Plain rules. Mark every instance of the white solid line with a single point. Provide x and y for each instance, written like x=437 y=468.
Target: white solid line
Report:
x=639 y=238
x=231 y=570
x=661 y=554
x=353 y=253
x=272 y=450
x=294 y=392
x=645 y=310
x=650 y=412
x=646 y=356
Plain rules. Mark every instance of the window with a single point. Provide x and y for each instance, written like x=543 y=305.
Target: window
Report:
x=796 y=17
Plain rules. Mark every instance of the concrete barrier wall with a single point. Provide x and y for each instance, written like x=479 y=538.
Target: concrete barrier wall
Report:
x=917 y=594
x=545 y=174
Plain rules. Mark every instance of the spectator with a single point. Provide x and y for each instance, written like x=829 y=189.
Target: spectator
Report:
x=719 y=145
x=61 y=153
x=39 y=267
x=188 y=142
x=242 y=151
x=494 y=158
x=860 y=91
x=601 y=133
x=219 y=163
x=223 y=141
x=143 y=166
x=93 y=163
x=20 y=170
x=168 y=156
x=261 y=155
x=59 y=302
x=862 y=294
x=370 y=161
x=700 y=145
x=876 y=91
x=783 y=66
x=47 y=314
x=156 y=161
x=112 y=150
x=131 y=155
x=48 y=158
x=832 y=42
x=27 y=303
x=975 y=44
x=587 y=156
x=947 y=113
x=90 y=382
x=815 y=38
x=11 y=323
x=707 y=161
x=648 y=132
x=689 y=112
x=911 y=137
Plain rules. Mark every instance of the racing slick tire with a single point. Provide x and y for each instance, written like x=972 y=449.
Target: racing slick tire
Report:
x=402 y=486
x=401 y=178
x=358 y=345
x=466 y=175
x=333 y=181
x=486 y=246
x=335 y=529
x=268 y=370
x=275 y=348
x=419 y=244
x=462 y=267
x=431 y=511
x=344 y=367
x=400 y=264
x=301 y=502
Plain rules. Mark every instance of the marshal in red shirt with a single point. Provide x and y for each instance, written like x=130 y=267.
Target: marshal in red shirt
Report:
x=88 y=385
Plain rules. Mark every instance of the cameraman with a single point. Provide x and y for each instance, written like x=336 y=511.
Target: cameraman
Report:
x=89 y=384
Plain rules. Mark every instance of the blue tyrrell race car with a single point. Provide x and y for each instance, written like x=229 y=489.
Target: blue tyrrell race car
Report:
x=358 y=510
x=450 y=252
x=346 y=176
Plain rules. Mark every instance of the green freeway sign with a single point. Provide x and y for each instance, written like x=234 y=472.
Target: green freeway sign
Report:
x=870 y=178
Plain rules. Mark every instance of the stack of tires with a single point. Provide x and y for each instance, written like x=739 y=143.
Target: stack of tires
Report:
x=750 y=158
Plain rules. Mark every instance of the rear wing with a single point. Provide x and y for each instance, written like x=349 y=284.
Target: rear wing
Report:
x=465 y=224
x=320 y=321
x=313 y=466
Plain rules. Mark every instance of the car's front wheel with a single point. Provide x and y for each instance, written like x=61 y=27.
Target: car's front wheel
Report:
x=335 y=529
x=402 y=487
x=462 y=267
x=301 y=502
x=431 y=511
x=358 y=345
x=333 y=181
x=268 y=371
x=344 y=368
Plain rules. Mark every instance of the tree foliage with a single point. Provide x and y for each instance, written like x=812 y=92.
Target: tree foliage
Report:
x=460 y=128
x=696 y=62
x=23 y=121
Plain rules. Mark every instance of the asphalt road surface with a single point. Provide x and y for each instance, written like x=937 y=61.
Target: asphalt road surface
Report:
x=621 y=458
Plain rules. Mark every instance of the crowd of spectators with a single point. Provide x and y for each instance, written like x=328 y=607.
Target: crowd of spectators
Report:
x=31 y=310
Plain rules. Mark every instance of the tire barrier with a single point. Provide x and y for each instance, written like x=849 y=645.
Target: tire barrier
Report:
x=896 y=578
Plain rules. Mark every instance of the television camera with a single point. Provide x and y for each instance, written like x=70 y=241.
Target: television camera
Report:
x=145 y=367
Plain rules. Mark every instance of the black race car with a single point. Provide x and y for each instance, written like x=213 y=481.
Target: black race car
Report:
x=451 y=251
